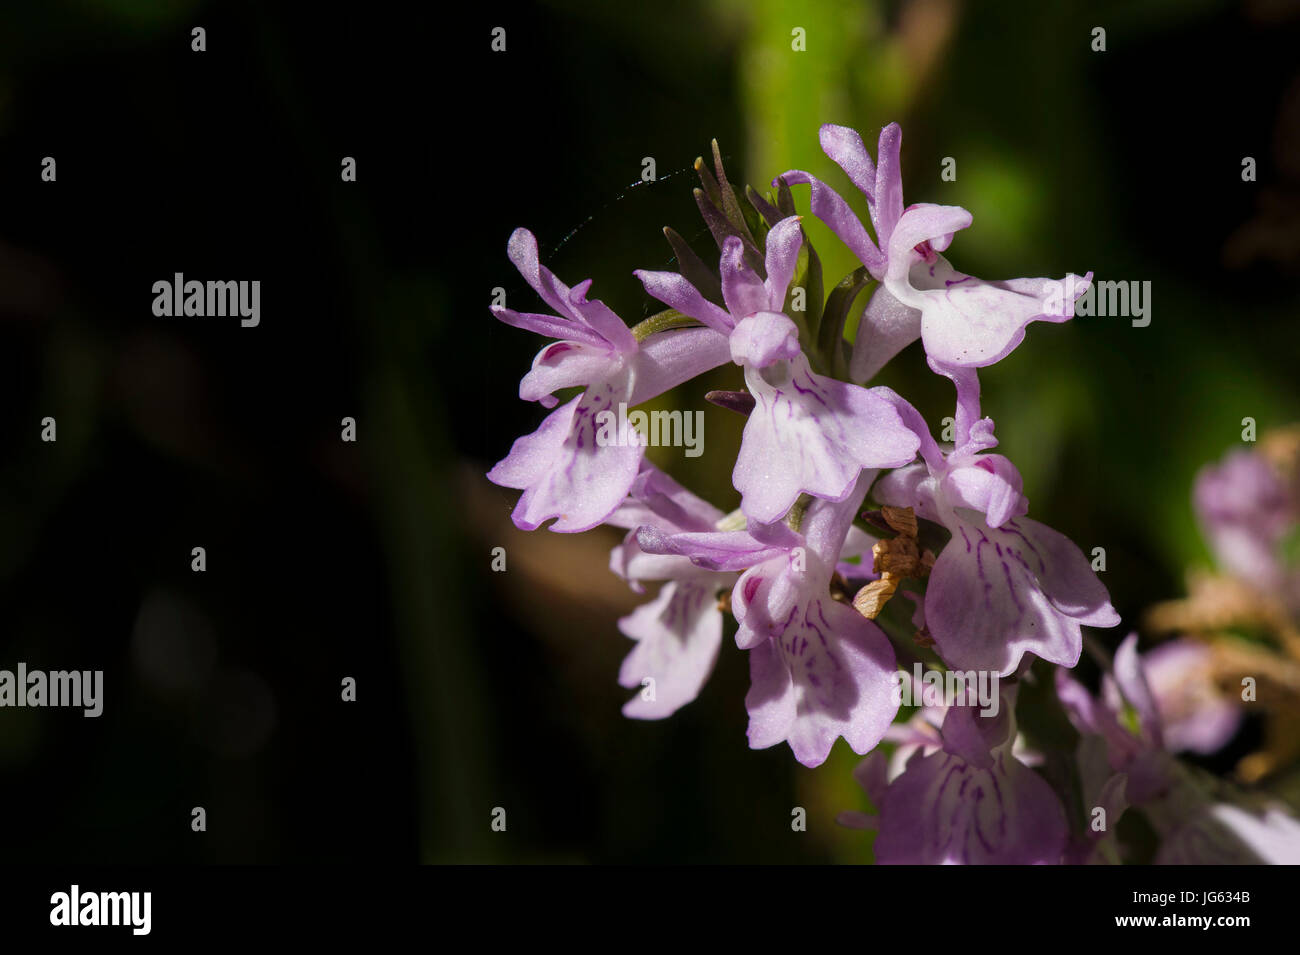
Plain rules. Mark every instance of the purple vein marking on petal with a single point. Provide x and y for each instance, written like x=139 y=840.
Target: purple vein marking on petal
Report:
x=979 y=570
x=954 y=767
x=1015 y=529
x=811 y=390
x=1011 y=589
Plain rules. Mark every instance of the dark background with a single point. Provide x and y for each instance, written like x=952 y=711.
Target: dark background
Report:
x=371 y=560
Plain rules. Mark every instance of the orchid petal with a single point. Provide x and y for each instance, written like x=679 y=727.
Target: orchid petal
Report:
x=678 y=635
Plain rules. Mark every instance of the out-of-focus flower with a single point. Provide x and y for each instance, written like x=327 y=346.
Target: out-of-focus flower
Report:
x=1246 y=511
x=1195 y=714
x=1197 y=820
x=1249 y=509
x=1223 y=834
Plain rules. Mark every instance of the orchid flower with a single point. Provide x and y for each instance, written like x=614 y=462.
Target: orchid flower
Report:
x=1004 y=585
x=807 y=434
x=563 y=470
x=961 y=320
x=818 y=669
x=962 y=797
x=678 y=633
x=996 y=592
x=1196 y=823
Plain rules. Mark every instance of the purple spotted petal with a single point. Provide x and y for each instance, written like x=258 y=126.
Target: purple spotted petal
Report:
x=574 y=476
x=810 y=434
x=968 y=321
x=995 y=594
x=678 y=635
x=826 y=673
x=564 y=472
x=944 y=811
x=567 y=364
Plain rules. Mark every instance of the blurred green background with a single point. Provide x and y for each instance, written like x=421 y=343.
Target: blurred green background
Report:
x=478 y=689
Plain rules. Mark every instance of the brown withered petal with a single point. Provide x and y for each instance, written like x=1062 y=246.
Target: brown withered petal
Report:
x=901 y=519
x=898 y=556
x=871 y=599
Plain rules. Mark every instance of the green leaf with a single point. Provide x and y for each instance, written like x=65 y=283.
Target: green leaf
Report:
x=770 y=213
x=721 y=227
x=729 y=203
x=692 y=267
x=830 y=336
x=784 y=199
x=808 y=276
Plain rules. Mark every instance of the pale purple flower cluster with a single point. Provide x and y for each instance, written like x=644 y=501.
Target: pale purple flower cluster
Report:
x=997 y=589
x=1149 y=708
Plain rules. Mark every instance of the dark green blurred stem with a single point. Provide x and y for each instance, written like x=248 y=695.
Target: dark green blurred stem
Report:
x=411 y=490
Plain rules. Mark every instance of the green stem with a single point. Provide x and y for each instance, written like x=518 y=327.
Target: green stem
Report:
x=662 y=321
